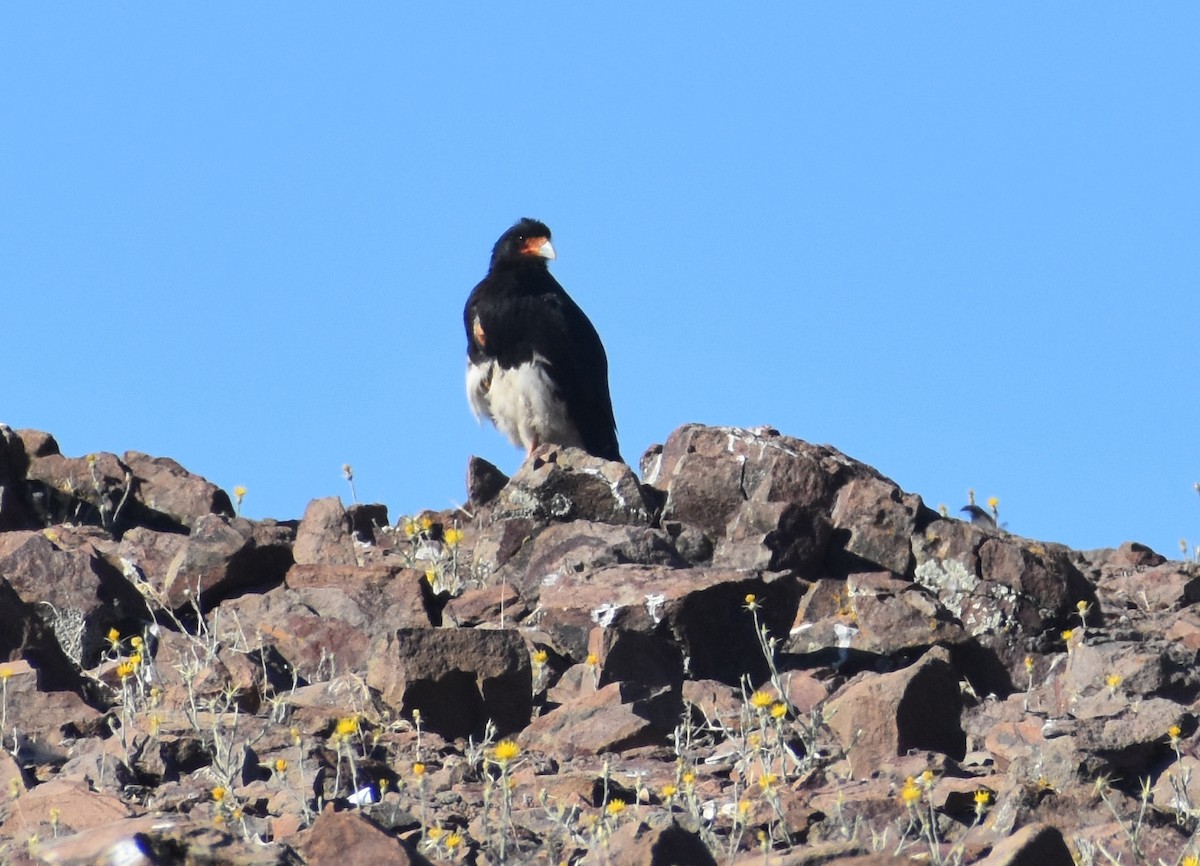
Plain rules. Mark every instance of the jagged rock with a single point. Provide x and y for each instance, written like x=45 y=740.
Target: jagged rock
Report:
x=26 y=634
x=327 y=617
x=612 y=718
x=1035 y=845
x=14 y=512
x=1011 y=594
x=484 y=481
x=75 y=808
x=561 y=484
x=144 y=557
x=494 y=605
x=325 y=534
x=702 y=609
x=708 y=472
x=877 y=519
x=166 y=488
x=457 y=678
x=338 y=838
x=366 y=519
x=651 y=659
x=74 y=590
x=639 y=844
x=43 y=716
x=566 y=548
x=871 y=613
x=880 y=716
x=223 y=556
x=774 y=536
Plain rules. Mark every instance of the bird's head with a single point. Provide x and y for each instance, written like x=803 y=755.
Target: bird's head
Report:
x=528 y=239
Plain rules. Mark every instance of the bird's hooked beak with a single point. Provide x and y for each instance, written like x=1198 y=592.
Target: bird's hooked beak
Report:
x=539 y=247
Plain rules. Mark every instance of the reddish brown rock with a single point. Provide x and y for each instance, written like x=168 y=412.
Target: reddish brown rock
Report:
x=95 y=489
x=636 y=843
x=144 y=556
x=559 y=484
x=458 y=678
x=877 y=519
x=613 y=718
x=1035 y=845
x=774 y=536
x=25 y=635
x=995 y=583
x=35 y=710
x=879 y=716
x=165 y=488
x=223 y=556
x=484 y=481
x=703 y=610
x=498 y=605
x=341 y=838
x=708 y=472
x=566 y=548
x=15 y=512
x=324 y=535
x=871 y=613
x=80 y=594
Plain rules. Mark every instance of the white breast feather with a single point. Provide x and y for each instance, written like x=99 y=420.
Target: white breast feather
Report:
x=522 y=403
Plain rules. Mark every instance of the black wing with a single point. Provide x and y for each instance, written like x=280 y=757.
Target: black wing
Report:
x=519 y=318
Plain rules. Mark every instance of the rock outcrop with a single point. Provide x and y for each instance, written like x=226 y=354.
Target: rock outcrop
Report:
x=761 y=651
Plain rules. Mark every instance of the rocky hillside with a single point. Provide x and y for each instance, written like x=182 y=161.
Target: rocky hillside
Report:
x=763 y=652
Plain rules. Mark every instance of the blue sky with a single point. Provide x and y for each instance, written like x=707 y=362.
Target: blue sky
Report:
x=957 y=241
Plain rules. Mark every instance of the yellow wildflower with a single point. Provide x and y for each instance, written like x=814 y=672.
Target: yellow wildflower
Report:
x=218 y=793
x=453 y=841
x=993 y=502
x=426 y=523
x=669 y=791
x=5 y=672
x=435 y=833
x=1029 y=664
x=615 y=807
x=592 y=660
x=766 y=780
x=1174 y=732
x=114 y=636
x=743 y=808
x=505 y=751
x=239 y=493
x=1190 y=860
x=540 y=657
x=688 y=778
x=927 y=778
x=453 y=537
x=910 y=793
x=280 y=765
x=760 y=700
x=418 y=769
x=778 y=710
x=983 y=797
x=346 y=727
x=1067 y=635
x=1112 y=681
x=126 y=669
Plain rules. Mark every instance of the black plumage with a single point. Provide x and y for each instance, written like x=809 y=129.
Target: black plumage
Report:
x=535 y=364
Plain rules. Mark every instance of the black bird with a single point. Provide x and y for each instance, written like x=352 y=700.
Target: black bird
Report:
x=535 y=364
